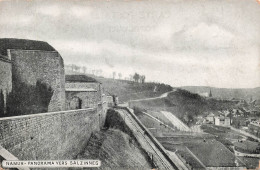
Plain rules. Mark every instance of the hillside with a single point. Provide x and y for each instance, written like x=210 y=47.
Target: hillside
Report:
x=226 y=93
x=129 y=90
x=184 y=104
x=116 y=146
x=115 y=149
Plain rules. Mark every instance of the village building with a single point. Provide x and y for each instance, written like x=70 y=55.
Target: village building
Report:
x=222 y=121
x=254 y=128
x=206 y=94
x=210 y=118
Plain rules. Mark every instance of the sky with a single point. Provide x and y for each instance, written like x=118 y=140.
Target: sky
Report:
x=178 y=42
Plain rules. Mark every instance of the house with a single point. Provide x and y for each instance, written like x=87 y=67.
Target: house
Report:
x=210 y=118
x=222 y=121
x=254 y=128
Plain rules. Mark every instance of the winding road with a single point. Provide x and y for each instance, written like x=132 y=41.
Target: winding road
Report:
x=153 y=98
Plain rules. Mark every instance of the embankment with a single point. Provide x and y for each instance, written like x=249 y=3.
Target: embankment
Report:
x=116 y=146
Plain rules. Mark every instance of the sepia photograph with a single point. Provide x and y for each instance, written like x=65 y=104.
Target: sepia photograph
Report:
x=130 y=84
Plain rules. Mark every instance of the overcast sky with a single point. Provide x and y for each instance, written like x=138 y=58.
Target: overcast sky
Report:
x=179 y=42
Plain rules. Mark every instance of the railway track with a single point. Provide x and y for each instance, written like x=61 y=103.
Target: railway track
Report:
x=158 y=158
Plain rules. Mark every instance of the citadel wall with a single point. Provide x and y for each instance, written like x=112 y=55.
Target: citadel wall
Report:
x=46 y=68
x=48 y=136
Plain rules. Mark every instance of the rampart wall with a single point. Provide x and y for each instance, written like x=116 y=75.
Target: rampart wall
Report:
x=48 y=136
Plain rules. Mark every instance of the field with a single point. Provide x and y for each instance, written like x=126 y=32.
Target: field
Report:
x=204 y=148
x=251 y=163
x=213 y=154
x=232 y=139
x=190 y=159
x=247 y=147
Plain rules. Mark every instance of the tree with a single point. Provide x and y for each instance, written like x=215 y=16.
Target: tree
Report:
x=77 y=68
x=119 y=75
x=73 y=67
x=142 y=78
x=136 y=77
x=114 y=75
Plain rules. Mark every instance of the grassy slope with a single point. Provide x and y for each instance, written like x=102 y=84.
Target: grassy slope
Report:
x=128 y=90
x=115 y=149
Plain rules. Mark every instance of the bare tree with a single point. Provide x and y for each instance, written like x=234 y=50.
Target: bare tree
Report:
x=73 y=67
x=119 y=75
x=77 y=68
x=142 y=78
x=114 y=75
x=136 y=77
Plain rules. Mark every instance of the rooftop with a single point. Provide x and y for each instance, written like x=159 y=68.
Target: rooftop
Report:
x=23 y=44
x=79 y=78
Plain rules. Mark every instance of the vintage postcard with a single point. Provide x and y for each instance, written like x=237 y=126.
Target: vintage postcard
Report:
x=130 y=84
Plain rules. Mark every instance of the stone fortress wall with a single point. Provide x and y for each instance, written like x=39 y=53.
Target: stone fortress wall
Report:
x=34 y=81
x=30 y=66
x=48 y=136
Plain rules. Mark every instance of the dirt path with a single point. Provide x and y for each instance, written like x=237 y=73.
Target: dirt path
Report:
x=245 y=133
x=153 y=98
x=247 y=154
